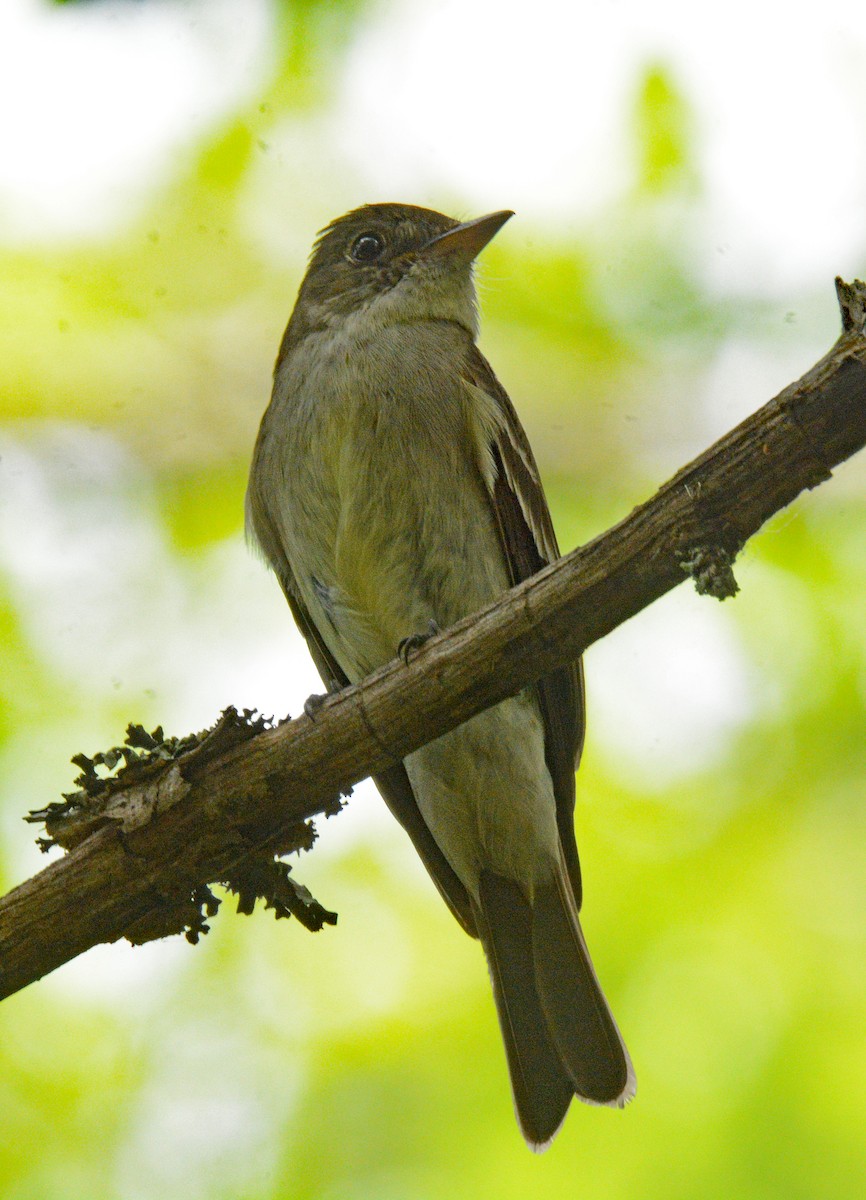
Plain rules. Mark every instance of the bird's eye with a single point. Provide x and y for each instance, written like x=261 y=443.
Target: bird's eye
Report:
x=367 y=247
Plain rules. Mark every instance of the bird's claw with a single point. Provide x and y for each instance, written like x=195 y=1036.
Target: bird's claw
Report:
x=416 y=640
x=313 y=703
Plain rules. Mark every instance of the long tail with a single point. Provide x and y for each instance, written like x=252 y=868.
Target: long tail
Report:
x=560 y=1037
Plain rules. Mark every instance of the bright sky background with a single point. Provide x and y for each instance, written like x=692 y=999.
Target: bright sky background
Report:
x=105 y=94
x=98 y=98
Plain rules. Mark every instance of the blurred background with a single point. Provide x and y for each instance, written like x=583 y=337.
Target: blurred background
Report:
x=687 y=184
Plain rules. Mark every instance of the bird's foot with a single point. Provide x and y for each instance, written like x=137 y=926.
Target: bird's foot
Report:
x=416 y=640
x=313 y=703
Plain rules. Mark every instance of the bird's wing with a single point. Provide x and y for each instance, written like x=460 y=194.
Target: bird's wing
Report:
x=529 y=542
x=393 y=784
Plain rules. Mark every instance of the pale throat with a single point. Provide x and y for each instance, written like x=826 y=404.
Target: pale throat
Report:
x=421 y=295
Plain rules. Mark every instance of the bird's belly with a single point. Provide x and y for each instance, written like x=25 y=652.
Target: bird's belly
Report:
x=486 y=794
x=402 y=535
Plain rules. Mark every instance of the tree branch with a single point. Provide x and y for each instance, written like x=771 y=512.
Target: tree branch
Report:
x=143 y=850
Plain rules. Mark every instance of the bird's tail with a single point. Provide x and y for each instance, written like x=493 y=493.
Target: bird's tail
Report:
x=560 y=1037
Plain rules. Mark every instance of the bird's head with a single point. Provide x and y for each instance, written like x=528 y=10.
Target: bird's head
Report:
x=384 y=264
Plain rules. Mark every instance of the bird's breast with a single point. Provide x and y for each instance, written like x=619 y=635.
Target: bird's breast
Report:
x=384 y=509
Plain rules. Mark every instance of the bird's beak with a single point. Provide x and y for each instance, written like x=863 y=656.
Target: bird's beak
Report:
x=466 y=240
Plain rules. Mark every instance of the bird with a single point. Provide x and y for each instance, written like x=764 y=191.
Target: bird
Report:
x=393 y=491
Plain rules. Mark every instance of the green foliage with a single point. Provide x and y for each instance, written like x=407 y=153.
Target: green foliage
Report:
x=664 y=135
x=204 y=507
x=724 y=905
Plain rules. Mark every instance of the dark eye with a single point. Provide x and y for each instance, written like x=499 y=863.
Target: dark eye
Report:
x=367 y=247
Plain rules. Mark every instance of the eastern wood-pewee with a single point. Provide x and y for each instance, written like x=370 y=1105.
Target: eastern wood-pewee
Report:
x=393 y=486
